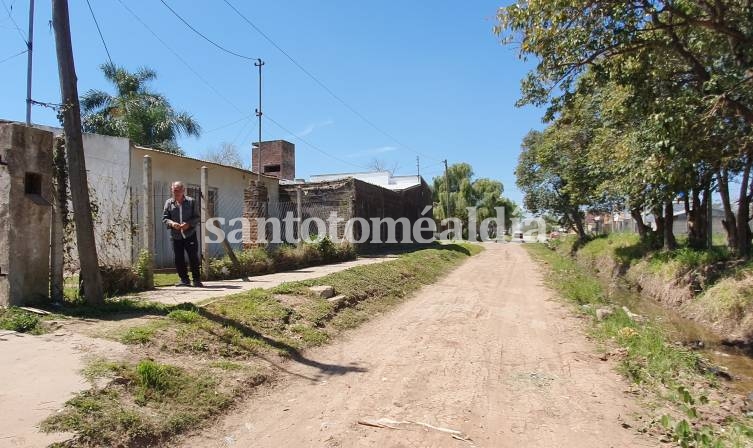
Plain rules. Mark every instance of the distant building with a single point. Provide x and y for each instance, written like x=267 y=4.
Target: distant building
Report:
x=383 y=179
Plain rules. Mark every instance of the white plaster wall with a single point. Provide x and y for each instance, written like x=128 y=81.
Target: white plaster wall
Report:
x=166 y=168
x=108 y=166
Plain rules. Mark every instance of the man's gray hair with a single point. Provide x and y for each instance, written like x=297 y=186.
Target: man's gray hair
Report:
x=179 y=184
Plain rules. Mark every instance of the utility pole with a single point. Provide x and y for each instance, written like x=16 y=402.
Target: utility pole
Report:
x=447 y=184
x=259 y=63
x=29 y=60
x=74 y=145
x=418 y=169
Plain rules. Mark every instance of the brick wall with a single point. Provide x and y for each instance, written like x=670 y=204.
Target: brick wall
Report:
x=277 y=159
x=355 y=198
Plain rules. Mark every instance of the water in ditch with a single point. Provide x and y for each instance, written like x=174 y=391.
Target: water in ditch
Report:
x=732 y=360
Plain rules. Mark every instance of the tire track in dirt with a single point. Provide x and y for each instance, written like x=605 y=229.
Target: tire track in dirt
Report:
x=486 y=351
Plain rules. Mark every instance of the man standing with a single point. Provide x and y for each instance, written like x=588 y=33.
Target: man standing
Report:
x=181 y=216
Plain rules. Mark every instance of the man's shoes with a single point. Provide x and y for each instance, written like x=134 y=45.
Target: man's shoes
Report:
x=183 y=283
x=198 y=284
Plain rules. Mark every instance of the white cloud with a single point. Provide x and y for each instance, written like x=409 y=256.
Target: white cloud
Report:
x=313 y=126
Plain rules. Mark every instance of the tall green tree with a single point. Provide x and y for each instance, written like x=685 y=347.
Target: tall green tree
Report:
x=135 y=111
x=467 y=191
x=683 y=124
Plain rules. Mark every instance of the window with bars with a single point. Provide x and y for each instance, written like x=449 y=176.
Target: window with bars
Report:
x=194 y=191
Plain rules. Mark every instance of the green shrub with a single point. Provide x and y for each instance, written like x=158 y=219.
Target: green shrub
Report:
x=152 y=375
x=16 y=319
x=259 y=261
x=143 y=269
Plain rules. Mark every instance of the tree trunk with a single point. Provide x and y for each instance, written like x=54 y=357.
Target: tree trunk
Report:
x=641 y=226
x=57 y=232
x=743 y=214
x=669 y=237
x=71 y=113
x=729 y=222
x=658 y=212
x=696 y=215
x=578 y=221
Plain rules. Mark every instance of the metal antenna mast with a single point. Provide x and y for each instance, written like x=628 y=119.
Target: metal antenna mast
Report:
x=29 y=60
x=259 y=63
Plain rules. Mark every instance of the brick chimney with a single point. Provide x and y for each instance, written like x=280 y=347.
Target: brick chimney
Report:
x=277 y=159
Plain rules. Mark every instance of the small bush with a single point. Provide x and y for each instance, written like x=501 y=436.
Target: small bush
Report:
x=143 y=269
x=16 y=319
x=258 y=261
x=152 y=375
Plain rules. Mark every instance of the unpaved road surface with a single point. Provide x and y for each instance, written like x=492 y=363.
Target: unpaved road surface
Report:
x=38 y=374
x=487 y=352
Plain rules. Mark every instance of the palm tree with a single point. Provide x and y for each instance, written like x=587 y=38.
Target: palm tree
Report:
x=135 y=112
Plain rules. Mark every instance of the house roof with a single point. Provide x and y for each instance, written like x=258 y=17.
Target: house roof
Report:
x=206 y=162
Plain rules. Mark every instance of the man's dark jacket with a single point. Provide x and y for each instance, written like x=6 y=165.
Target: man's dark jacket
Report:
x=172 y=214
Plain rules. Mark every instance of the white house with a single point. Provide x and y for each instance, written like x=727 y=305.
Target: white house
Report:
x=115 y=173
x=383 y=179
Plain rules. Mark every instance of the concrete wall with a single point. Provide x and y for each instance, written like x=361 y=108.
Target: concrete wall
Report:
x=25 y=213
x=227 y=182
x=107 y=166
x=107 y=170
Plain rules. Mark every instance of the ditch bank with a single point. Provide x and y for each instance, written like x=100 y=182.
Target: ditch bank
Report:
x=701 y=300
x=686 y=399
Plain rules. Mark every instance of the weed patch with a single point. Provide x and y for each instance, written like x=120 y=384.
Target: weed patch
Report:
x=16 y=319
x=146 y=403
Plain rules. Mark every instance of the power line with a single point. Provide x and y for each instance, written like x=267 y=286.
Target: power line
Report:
x=320 y=83
x=18 y=28
x=11 y=57
x=185 y=22
x=311 y=144
x=180 y=58
x=227 y=125
x=99 y=30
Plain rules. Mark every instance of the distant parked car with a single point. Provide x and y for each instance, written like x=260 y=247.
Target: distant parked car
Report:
x=517 y=237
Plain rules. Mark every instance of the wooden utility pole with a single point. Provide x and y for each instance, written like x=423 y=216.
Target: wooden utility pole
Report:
x=74 y=145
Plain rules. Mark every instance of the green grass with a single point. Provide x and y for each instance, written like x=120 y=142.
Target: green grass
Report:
x=16 y=319
x=142 y=334
x=628 y=251
x=651 y=358
x=149 y=402
x=165 y=279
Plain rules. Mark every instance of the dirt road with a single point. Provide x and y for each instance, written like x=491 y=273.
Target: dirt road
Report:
x=486 y=352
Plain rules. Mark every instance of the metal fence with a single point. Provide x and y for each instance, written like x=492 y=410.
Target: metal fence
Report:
x=229 y=207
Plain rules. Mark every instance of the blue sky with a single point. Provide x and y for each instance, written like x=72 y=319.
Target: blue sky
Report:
x=430 y=74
